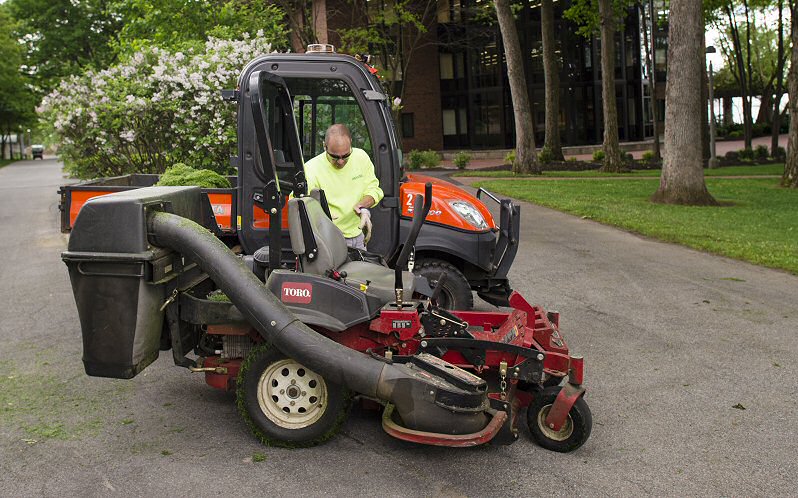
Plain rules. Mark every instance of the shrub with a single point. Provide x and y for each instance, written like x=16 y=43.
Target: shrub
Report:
x=545 y=156
x=761 y=152
x=732 y=156
x=150 y=111
x=779 y=153
x=598 y=156
x=648 y=156
x=746 y=154
x=461 y=159
x=417 y=159
x=510 y=157
x=180 y=174
x=735 y=134
x=628 y=158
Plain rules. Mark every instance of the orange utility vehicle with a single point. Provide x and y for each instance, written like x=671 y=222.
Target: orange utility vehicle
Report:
x=460 y=236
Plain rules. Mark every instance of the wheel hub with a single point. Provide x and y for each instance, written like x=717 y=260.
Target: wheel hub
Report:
x=290 y=395
x=565 y=431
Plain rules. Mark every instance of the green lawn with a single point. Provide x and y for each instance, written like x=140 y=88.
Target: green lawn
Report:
x=758 y=223
x=765 y=169
x=6 y=162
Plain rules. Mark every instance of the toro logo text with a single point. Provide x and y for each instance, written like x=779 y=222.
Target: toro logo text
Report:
x=297 y=292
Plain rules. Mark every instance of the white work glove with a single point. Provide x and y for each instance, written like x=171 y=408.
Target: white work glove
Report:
x=365 y=224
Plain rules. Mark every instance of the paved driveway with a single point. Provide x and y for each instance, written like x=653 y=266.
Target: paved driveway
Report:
x=676 y=343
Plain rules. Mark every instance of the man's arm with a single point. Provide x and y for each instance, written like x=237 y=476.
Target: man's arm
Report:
x=372 y=193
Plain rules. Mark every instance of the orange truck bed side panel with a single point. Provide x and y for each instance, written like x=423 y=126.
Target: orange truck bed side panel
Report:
x=222 y=205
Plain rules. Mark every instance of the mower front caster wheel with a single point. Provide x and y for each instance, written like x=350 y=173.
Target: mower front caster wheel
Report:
x=286 y=404
x=571 y=435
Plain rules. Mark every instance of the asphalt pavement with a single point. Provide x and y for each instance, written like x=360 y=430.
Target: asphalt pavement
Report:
x=690 y=370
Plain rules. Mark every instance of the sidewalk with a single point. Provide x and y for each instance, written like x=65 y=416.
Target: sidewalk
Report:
x=722 y=147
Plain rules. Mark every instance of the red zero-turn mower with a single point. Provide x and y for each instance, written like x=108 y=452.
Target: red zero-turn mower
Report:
x=297 y=344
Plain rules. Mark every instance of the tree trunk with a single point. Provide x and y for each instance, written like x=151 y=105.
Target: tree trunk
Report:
x=765 y=115
x=776 y=125
x=728 y=111
x=320 y=20
x=652 y=75
x=742 y=78
x=682 y=179
x=790 y=177
x=551 y=72
x=297 y=25
x=613 y=162
x=526 y=159
x=705 y=149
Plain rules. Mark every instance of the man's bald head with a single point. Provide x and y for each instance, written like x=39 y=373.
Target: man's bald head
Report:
x=336 y=132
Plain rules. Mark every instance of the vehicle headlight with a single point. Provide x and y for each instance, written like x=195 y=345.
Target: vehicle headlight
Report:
x=469 y=213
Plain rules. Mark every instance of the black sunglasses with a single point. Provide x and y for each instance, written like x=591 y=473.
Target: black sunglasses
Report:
x=340 y=158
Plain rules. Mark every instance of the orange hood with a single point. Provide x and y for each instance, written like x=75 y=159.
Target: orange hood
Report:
x=443 y=195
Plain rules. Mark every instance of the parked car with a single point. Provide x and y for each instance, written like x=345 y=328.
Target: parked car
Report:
x=37 y=151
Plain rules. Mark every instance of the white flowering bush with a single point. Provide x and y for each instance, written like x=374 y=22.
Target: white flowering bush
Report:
x=153 y=110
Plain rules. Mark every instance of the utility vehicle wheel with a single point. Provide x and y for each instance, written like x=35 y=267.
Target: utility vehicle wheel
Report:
x=286 y=404
x=456 y=293
x=571 y=435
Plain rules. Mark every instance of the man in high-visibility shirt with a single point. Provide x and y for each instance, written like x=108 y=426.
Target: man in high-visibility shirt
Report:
x=346 y=174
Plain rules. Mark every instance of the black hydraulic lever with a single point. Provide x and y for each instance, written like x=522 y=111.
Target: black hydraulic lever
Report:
x=421 y=208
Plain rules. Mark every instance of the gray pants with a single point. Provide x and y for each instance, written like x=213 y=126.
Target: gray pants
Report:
x=358 y=242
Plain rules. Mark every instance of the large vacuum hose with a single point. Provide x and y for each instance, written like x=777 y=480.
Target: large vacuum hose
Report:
x=336 y=363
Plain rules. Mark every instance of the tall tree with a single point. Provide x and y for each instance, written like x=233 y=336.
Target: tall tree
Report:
x=551 y=73
x=16 y=99
x=613 y=162
x=776 y=121
x=649 y=35
x=790 y=177
x=63 y=37
x=682 y=178
x=526 y=158
x=610 y=15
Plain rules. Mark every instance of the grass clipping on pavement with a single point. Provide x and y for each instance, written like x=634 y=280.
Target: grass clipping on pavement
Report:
x=757 y=222
x=181 y=175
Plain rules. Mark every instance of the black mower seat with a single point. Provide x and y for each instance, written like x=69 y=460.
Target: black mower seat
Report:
x=321 y=248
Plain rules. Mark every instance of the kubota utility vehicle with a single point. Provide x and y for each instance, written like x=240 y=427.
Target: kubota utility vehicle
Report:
x=461 y=236
x=297 y=341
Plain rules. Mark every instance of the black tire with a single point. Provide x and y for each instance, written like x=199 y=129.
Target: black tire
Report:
x=571 y=436
x=456 y=293
x=263 y=401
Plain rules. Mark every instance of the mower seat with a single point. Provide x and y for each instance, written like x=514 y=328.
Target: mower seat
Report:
x=321 y=248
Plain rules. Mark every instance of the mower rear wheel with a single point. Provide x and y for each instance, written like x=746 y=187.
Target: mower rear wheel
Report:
x=571 y=435
x=286 y=404
x=456 y=293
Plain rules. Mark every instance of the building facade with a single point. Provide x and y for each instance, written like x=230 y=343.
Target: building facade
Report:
x=463 y=77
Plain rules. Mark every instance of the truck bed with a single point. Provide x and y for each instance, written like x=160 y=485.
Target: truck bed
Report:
x=223 y=200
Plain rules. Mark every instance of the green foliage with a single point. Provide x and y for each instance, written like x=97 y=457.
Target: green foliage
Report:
x=545 y=156
x=16 y=99
x=417 y=159
x=648 y=156
x=779 y=153
x=761 y=152
x=746 y=154
x=183 y=25
x=755 y=224
x=461 y=159
x=509 y=158
x=180 y=174
x=64 y=37
x=258 y=457
x=585 y=14
x=219 y=296
x=628 y=158
x=598 y=156
x=153 y=110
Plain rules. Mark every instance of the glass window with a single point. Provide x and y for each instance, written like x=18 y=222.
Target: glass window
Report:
x=447 y=66
x=408 y=128
x=321 y=102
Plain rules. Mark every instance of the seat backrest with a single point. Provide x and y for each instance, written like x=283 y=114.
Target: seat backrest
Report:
x=330 y=243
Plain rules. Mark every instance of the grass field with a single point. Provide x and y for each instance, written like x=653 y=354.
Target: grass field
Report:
x=765 y=169
x=6 y=162
x=757 y=223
